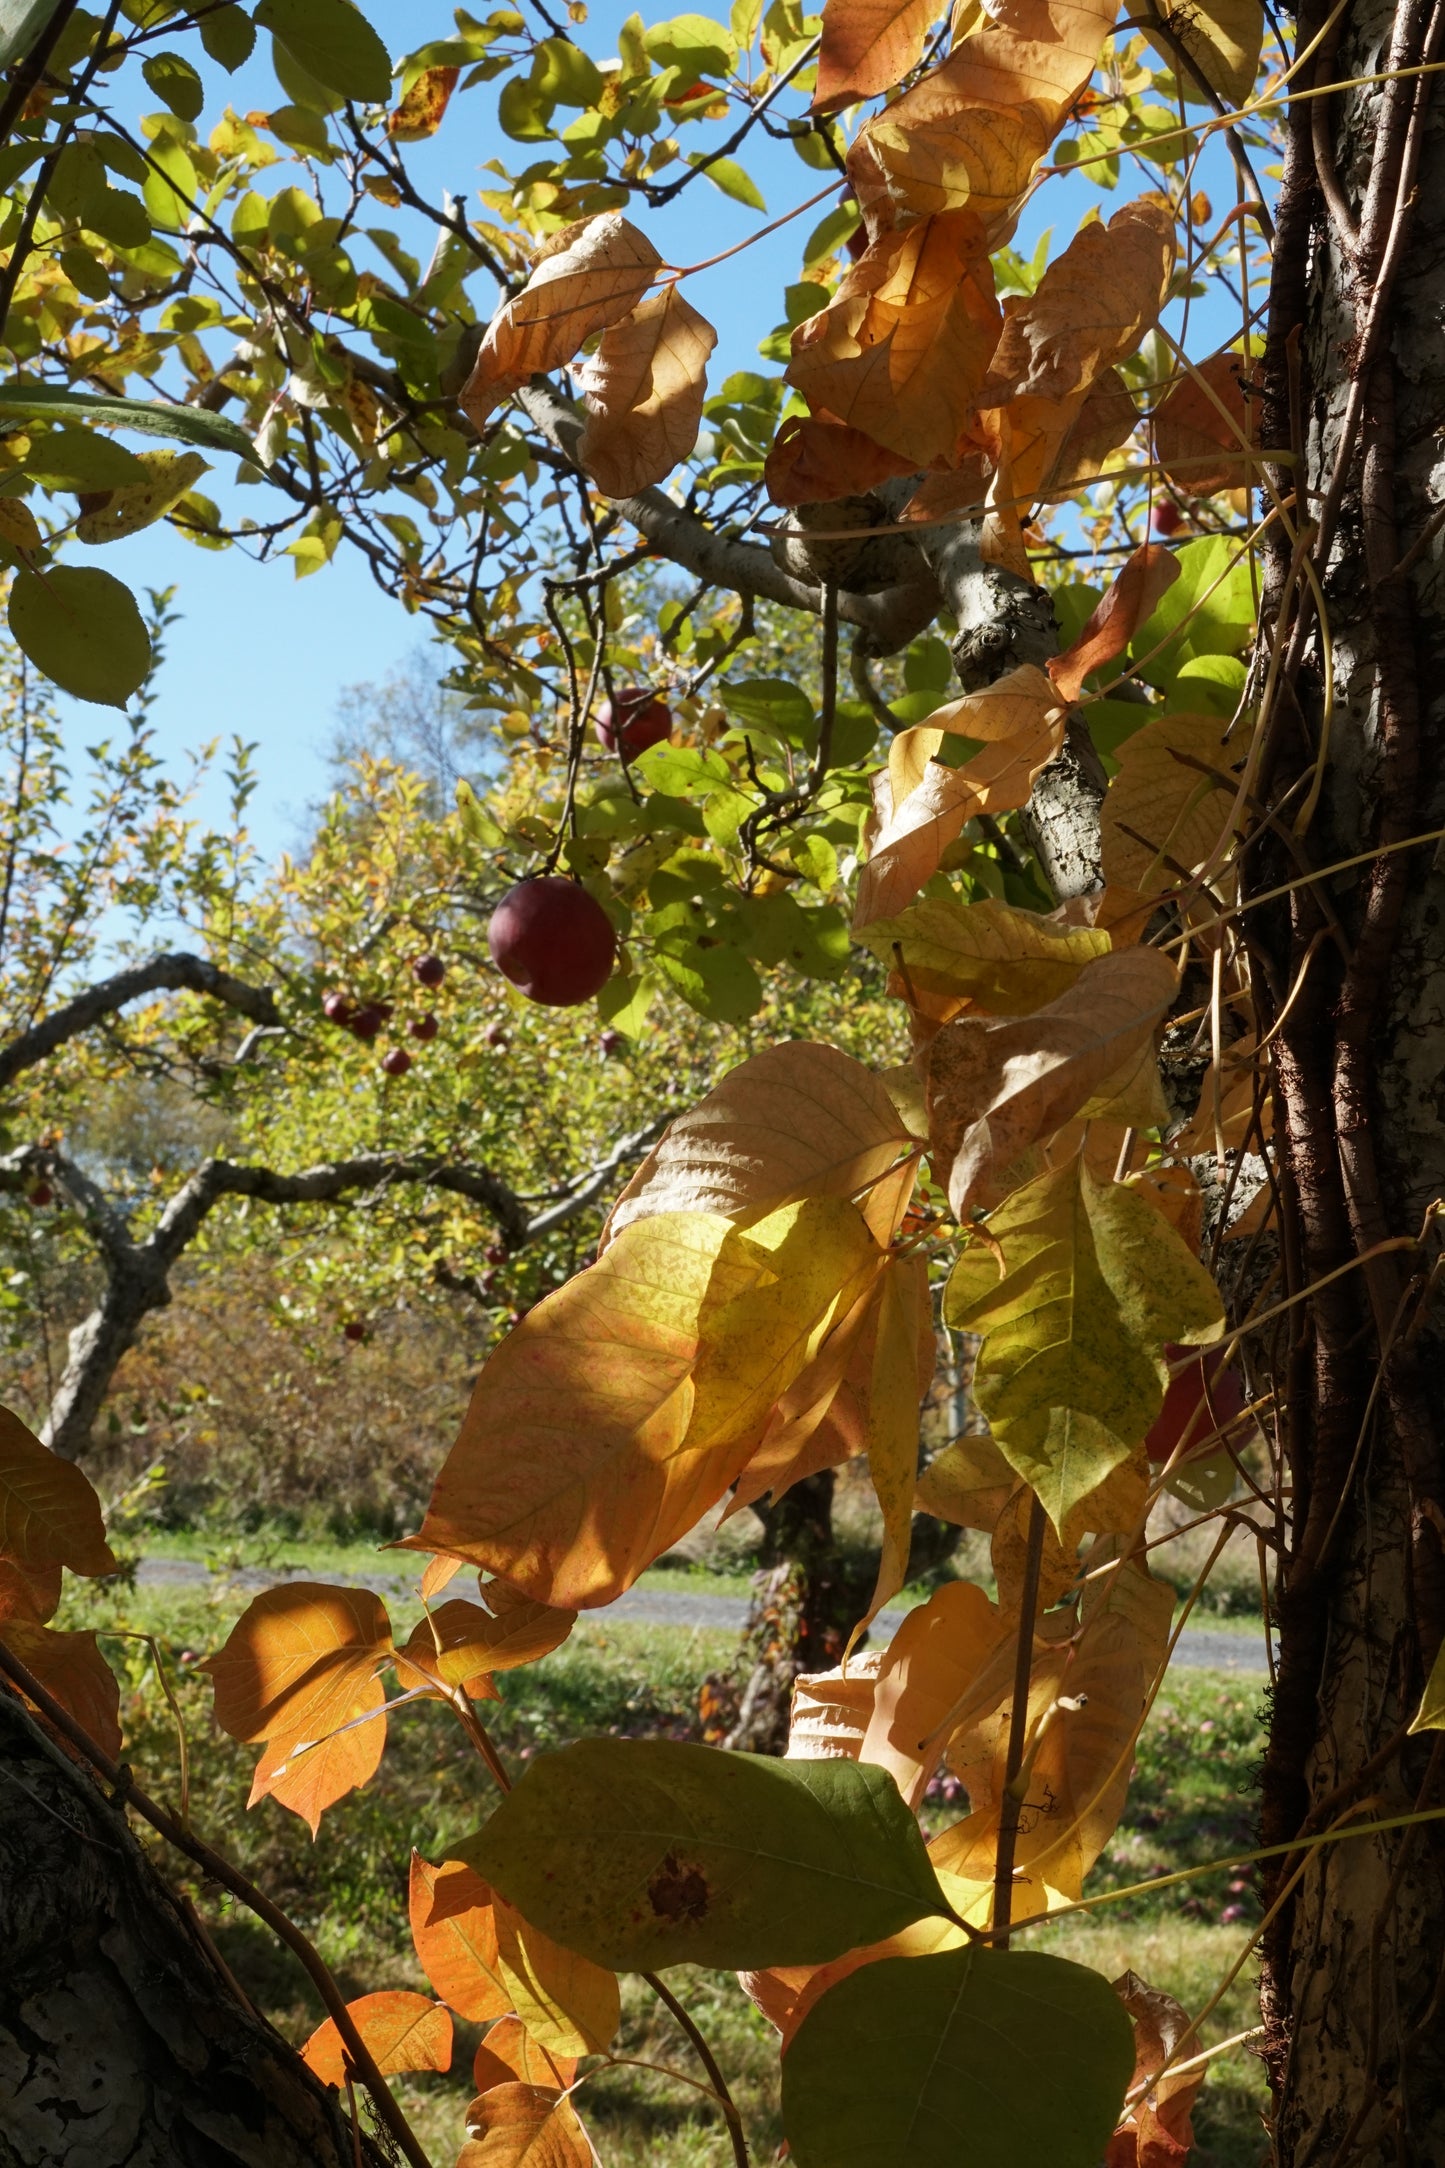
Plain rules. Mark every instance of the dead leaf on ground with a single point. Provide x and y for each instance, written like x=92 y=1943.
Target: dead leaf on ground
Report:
x=645 y=389
x=594 y=274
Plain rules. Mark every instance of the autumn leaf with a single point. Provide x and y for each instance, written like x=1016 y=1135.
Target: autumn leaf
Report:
x=986 y=955
x=423 y=109
x=462 y=1641
x=1430 y=1716
x=1071 y=1373
x=830 y=1710
x=1222 y=37
x=454 y=1930
x=524 y=2126
x=923 y=805
x=894 y=1394
x=592 y=274
x=508 y=2052
x=1204 y=425
x=815 y=458
x=1113 y=622
x=49 y=1513
x=935 y=1661
x=902 y=349
x=28 y=1592
x=645 y=389
x=960 y=141
x=997 y=1086
x=1091 y=307
x=1157 y=2130
x=868 y=46
x=111 y=515
x=798 y=1120
x=71 y=1668
x=969 y=1483
x=402 y=2031
x=624 y=1405
x=1165 y=811
x=569 y=2005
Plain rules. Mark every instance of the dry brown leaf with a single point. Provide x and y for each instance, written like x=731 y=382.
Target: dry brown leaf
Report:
x=508 y=2052
x=1200 y=448
x=402 y=2031
x=645 y=389
x=959 y=141
x=423 y=109
x=901 y=350
x=831 y=1710
x=599 y=272
x=461 y=1642
x=1115 y=619
x=798 y=1120
x=1157 y=2131
x=71 y=1668
x=995 y=1087
x=1091 y=307
x=49 y=1513
x=1163 y=815
x=923 y=806
x=868 y=46
x=930 y=1668
x=524 y=2126
x=1044 y=50
x=816 y=459
x=28 y=1592
x=455 y=1933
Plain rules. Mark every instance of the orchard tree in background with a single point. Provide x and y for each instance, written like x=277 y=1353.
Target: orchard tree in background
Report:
x=1158 y=893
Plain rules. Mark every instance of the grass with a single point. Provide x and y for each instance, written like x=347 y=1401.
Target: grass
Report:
x=1190 y=1801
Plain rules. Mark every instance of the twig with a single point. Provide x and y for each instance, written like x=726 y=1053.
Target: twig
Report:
x=709 y=2063
x=1012 y=1803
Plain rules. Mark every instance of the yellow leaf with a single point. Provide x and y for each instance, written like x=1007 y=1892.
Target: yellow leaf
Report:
x=868 y=46
x=421 y=111
x=125 y=511
x=1113 y=622
x=831 y=1710
x=1431 y=1714
x=19 y=527
x=569 y=2005
x=902 y=349
x=1091 y=307
x=968 y=1483
x=524 y=2126
x=931 y=1669
x=998 y=1086
x=922 y=806
x=1222 y=37
x=592 y=275
x=987 y=955
x=49 y=1512
x=402 y=2031
x=645 y=390
x=455 y=1933
x=1163 y=815
x=1071 y=1373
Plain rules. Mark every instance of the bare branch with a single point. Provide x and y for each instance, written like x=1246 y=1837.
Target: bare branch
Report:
x=174 y=973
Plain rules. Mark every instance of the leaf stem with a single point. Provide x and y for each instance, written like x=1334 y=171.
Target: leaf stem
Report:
x=709 y=2063
x=1012 y=1804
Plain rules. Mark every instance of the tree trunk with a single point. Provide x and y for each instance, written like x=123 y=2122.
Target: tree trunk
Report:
x=1354 y=1963
x=121 y=2043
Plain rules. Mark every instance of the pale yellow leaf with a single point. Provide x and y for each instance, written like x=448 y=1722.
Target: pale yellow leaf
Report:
x=831 y=1710
x=987 y=955
x=945 y=1652
x=1222 y=37
x=1165 y=812
x=569 y=2005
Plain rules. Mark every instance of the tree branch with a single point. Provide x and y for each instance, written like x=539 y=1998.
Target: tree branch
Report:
x=174 y=973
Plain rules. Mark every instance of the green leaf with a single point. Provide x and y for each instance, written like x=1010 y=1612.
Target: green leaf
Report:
x=81 y=628
x=172 y=190
x=21 y=22
x=1071 y=1374
x=675 y=1854
x=718 y=982
x=475 y=818
x=734 y=180
x=624 y=1003
x=971 y=2058
x=694 y=44
x=1215 y=594
x=176 y=83
x=229 y=36
x=775 y=705
x=333 y=42
x=81 y=459
x=189 y=425
x=680 y=771
x=829 y=234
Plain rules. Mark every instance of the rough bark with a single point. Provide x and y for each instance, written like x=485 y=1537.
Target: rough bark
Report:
x=122 y=2045
x=1354 y=1971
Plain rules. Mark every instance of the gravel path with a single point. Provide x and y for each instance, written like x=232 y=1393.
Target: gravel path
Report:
x=1198 y=1650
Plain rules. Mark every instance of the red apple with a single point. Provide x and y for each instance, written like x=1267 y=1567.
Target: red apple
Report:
x=553 y=940
x=354 y=1329
x=496 y=1253
x=368 y=1019
x=41 y=1195
x=338 y=1009
x=633 y=721
x=397 y=1062
x=423 y=1027
x=495 y=1035
x=487 y=1282
x=428 y=970
x=1202 y=1400
x=1168 y=519
x=612 y=1042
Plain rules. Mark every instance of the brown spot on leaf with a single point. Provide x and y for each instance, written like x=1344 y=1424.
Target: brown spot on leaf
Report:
x=678 y=1891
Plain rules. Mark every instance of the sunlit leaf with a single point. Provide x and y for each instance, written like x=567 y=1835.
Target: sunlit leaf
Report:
x=508 y=2052
x=524 y=2126
x=82 y=629
x=49 y=1512
x=830 y=1710
x=31 y=1593
x=868 y=46
x=960 y=141
x=569 y=2005
x=152 y=417
x=461 y=1641
x=1168 y=808
x=1091 y=307
x=334 y=42
x=169 y=477
x=1222 y=37
x=986 y=955
x=592 y=275
x=423 y=109
x=454 y=1930
x=815 y=458
x=1110 y=627
x=645 y=389
x=939 y=1655
x=401 y=2031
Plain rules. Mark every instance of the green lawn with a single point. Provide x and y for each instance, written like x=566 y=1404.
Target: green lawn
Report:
x=1190 y=1801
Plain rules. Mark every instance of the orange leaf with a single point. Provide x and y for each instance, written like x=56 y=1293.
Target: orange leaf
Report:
x=295 y=1651
x=645 y=388
x=71 y=1667
x=461 y=1641
x=455 y=1933
x=420 y=113
x=1115 y=619
x=1158 y=2130
x=1091 y=307
x=902 y=349
x=440 y=1572
x=1200 y=448
x=815 y=459
x=402 y=2031
x=959 y=140
x=49 y=1513
x=938 y=1656
x=308 y=1776
x=524 y=2126
x=868 y=46
x=590 y=275
x=508 y=2052
x=30 y=1593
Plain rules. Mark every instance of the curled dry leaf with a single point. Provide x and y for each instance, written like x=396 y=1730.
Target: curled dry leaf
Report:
x=508 y=2052
x=957 y=142
x=902 y=349
x=831 y=1710
x=49 y=1513
x=1113 y=621
x=1205 y=426
x=402 y=2031
x=1091 y=307
x=423 y=109
x=868 y=46
x=988 y=956
x=462 y=1642
x=997 y=1086
x=1158 y=2129
x=524 y=2126
x=593 y=274
x=1168 y=807
x=1071 y=1373
x=799 y=1119
x=645 y=389
x=923 y=806
x=816 y=459
x=71 y=1668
